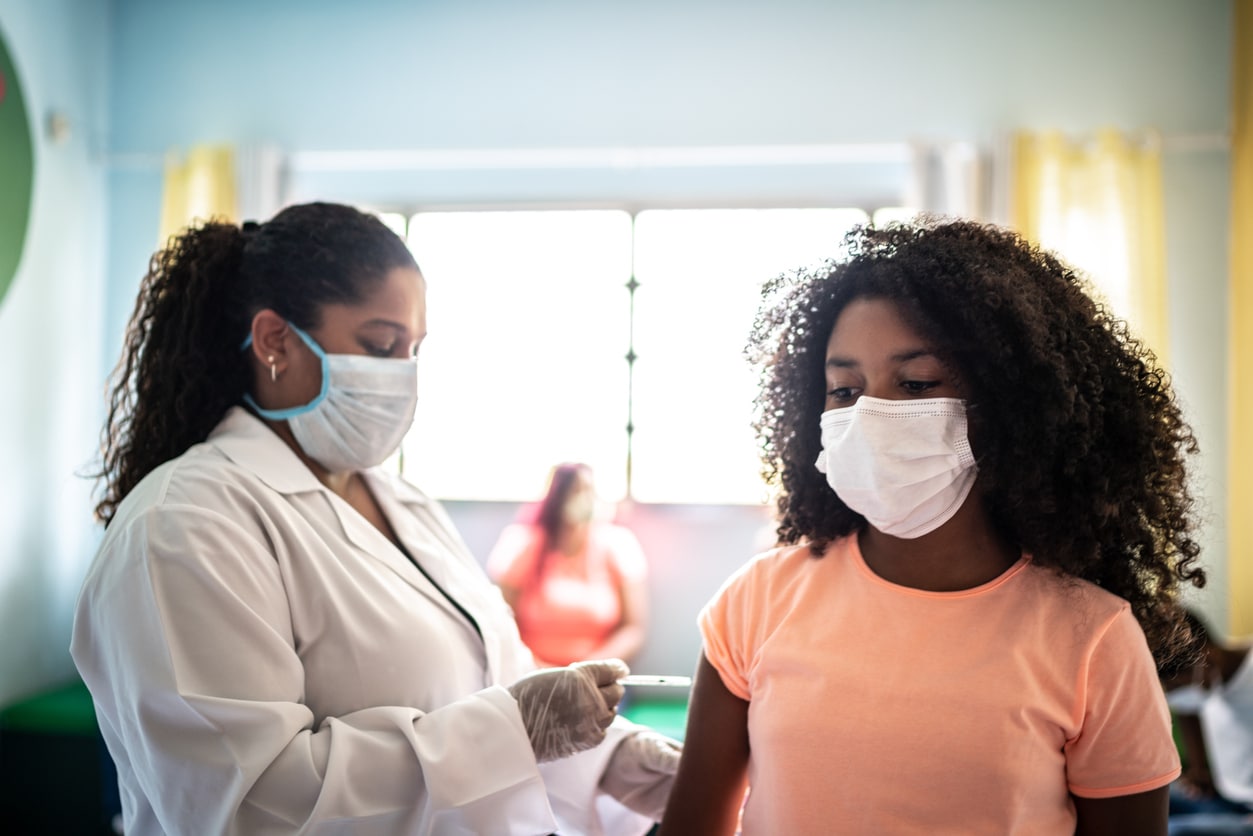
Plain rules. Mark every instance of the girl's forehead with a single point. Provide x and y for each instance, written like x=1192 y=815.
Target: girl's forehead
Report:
x=865 y=323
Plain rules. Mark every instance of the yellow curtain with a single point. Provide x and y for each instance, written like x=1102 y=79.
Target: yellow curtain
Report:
x=1240 y=330
x=199 y=185
x=1098 y=204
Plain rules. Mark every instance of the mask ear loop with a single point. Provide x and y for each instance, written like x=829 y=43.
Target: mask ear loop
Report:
x=291 y=412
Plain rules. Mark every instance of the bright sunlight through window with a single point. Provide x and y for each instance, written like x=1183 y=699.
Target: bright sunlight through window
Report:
x=700 y=275
x=531 y=320
x=524 y=363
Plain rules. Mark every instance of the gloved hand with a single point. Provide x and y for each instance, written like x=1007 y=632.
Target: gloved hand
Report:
x=641 y=771
x=566 y=710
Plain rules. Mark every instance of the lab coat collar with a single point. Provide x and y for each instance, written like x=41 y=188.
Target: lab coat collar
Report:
x=248 y=442
x=434 y=544
x=404 y=491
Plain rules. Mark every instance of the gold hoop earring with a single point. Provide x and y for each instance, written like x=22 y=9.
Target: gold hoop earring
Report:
x=273 y=369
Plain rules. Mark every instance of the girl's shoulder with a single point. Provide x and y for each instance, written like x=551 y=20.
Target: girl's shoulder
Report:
x=1068 y=592
x=1069 y=604
x=802 y=556
x=784 y=566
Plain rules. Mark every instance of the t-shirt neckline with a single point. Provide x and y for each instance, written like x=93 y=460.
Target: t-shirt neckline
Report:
x=1005 y=577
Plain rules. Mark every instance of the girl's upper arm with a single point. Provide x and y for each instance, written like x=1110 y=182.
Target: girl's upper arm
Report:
x=1141 y=814
x=709 y=787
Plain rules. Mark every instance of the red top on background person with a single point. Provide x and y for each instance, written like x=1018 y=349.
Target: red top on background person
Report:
x=576 y=583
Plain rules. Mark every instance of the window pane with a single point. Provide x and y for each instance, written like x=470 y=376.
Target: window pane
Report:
x=700 y=273
x=888 y=214
x=394 y=221
x=524 y=364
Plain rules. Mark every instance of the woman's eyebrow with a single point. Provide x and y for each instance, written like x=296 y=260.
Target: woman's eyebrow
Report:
x=387 y=322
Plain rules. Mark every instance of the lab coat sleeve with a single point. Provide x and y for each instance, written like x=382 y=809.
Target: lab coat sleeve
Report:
x=184 y=638
x=573 y=788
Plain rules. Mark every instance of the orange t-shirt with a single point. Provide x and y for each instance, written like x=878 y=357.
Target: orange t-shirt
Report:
x=876 y=708
x=564 y=615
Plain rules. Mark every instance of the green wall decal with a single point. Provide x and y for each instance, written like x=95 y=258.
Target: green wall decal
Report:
x=17 y=170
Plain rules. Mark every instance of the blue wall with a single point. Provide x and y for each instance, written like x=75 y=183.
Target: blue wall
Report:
x=51 y=330
x=475 y=73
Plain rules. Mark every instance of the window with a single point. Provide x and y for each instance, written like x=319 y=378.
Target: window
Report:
x=700 y=274
x=533 y=315
x=524 y=366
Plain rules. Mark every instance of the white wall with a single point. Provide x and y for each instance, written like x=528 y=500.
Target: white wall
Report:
x=50 y=336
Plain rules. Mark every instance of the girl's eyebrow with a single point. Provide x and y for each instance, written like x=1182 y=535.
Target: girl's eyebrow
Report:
x=912 y=354
x=902 y=357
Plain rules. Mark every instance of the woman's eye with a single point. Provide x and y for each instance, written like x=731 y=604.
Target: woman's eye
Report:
x=918 y=387
x=377 y=350
x=842 y=393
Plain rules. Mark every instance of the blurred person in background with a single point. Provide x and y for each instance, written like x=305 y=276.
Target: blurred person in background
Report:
x=1211 y=695
x=577 y=583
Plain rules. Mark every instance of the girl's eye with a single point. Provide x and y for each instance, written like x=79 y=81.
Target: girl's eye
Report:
x=376 y=350
x=842 y=393
x=918 y=387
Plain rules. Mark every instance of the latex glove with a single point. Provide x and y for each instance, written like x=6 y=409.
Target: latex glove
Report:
x=566 y=710
x=641 y=771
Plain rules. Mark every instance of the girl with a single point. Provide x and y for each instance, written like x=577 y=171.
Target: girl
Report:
x=984 y=524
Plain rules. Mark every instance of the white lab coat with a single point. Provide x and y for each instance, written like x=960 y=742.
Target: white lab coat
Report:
x=263 y=660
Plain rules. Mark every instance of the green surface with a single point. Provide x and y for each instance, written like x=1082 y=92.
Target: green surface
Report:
x=668 y=716
x=64 y=710
x=69 y=710
x=17 y=170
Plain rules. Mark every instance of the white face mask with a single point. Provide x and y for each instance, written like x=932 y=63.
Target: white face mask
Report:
x=580 y=508
x=906 y=466
x=362 y=413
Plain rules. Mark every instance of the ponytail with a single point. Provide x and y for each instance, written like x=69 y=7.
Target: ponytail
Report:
x=182 y=364
x=181 y=367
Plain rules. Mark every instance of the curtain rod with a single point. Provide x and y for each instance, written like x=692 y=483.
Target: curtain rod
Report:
x=480 y=159
x=611 y=157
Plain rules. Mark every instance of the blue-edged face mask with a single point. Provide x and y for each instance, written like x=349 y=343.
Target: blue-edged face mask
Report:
x=362 y=413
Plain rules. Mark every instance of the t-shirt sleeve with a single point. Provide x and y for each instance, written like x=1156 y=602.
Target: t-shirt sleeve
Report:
x=512 y=559
x=1124 y=745
x=727 y=625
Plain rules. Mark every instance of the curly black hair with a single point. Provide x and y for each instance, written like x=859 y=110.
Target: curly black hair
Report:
x=1080 y=443
x=182 y=366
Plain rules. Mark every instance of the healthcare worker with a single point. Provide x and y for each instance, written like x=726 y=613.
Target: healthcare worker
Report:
x=279 y=636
